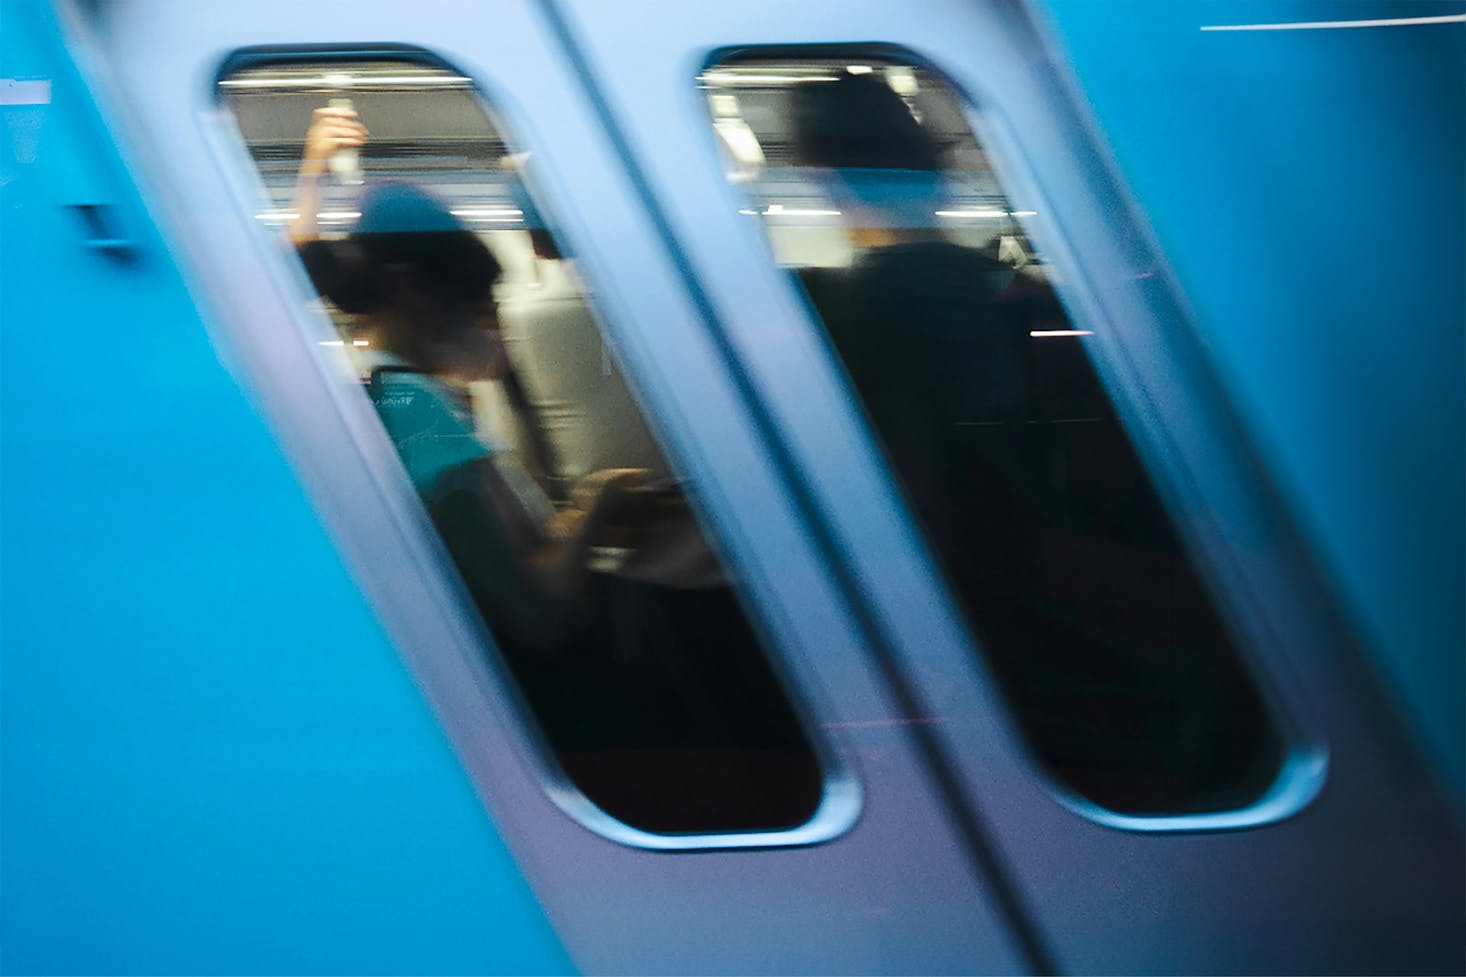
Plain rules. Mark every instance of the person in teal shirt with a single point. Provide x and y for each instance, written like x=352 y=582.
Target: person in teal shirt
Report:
x=421 y=285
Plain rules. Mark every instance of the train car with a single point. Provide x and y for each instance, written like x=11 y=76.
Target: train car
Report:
x=533 y=486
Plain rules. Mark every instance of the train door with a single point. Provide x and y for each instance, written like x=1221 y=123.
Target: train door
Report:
x=1151 y=714
x=865 y=869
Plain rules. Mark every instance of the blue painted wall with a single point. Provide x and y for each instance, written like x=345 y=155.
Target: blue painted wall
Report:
x=213 y=760
x=1307 y=188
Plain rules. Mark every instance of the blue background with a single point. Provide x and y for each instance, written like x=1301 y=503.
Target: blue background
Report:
x=213 y=759
x=1307 y=188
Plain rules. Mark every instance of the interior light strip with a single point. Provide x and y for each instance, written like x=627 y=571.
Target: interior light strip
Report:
x=349 y=81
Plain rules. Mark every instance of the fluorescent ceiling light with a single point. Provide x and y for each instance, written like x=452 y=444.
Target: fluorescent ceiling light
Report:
x=510 y=214
x=779 y=210
x=740 y=140
x=347 y=81
x=750 y=79
x=986 y=213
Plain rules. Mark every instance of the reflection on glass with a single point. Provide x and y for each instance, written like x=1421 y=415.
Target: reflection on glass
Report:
x=870 y=184
x=470 y=331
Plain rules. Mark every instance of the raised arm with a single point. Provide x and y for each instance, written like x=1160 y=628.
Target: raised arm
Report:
x=331 y=129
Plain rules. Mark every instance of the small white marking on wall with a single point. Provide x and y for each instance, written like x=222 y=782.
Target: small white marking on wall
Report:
x=14 y=91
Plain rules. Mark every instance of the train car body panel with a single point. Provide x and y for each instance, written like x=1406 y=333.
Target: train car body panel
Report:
x=213 y=756
x=241 y=687
x=786 y=908
x=1161 y=891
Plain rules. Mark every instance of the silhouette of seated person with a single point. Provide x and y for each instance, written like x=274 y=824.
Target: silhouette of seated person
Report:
x=1051 y=536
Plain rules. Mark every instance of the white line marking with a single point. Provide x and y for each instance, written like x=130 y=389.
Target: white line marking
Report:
x=1330 y=24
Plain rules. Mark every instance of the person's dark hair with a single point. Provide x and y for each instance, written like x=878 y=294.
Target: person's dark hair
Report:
x=402 y=224
x=859 y=121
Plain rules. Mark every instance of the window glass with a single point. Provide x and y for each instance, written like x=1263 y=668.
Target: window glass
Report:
x=872 y=189
x=470 y=331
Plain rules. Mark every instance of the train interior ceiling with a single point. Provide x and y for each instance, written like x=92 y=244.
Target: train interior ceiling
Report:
x=427 y=125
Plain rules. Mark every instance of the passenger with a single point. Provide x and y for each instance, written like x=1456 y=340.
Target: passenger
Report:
x=422 y=285
x=1060 y=553
x=915 y=318
x=634 y=666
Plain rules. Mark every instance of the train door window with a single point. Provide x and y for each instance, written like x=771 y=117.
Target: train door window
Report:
x=464 y=319
x=871 y=188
